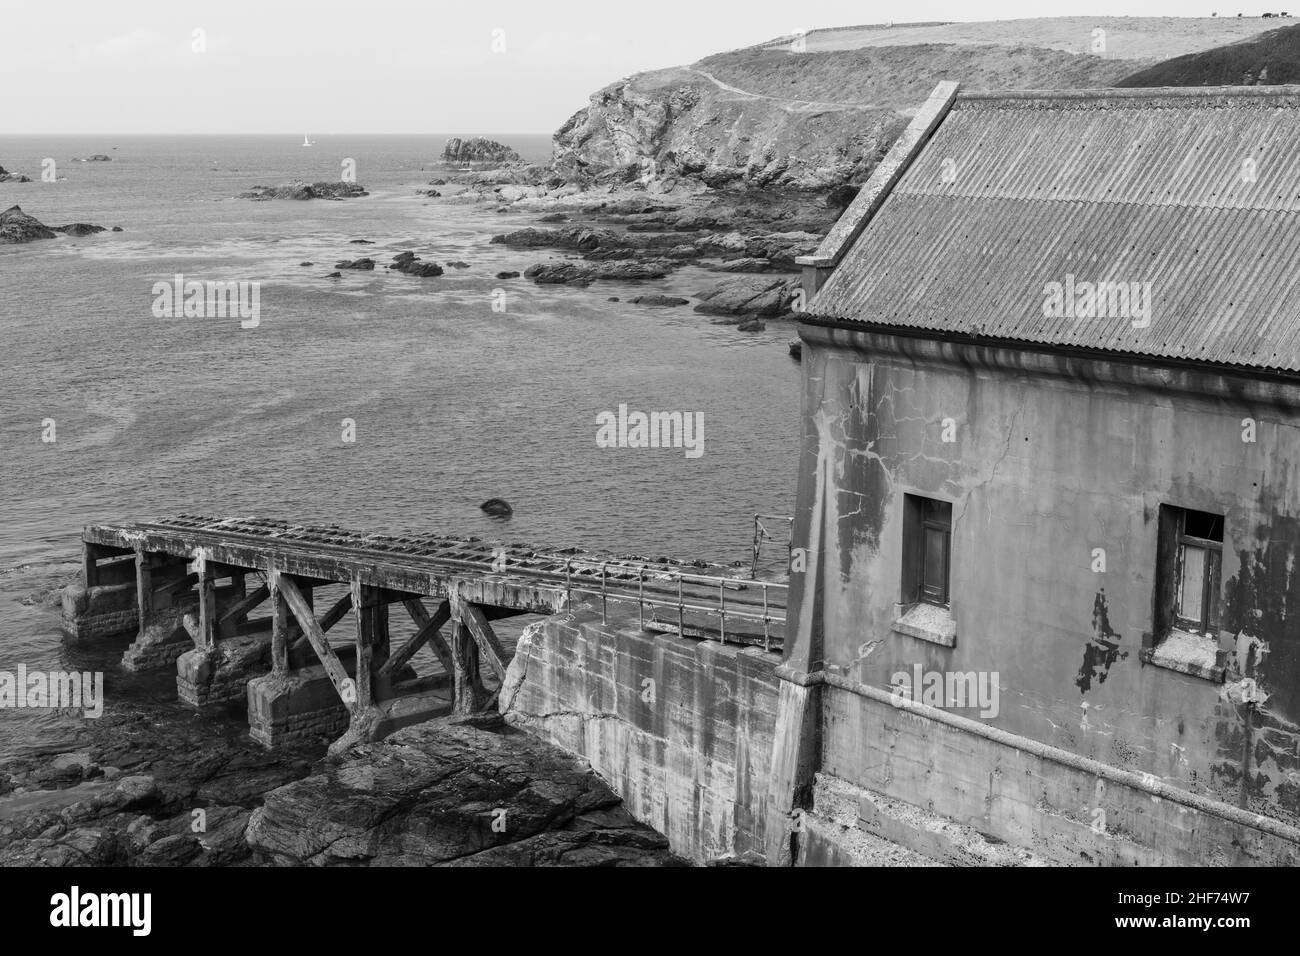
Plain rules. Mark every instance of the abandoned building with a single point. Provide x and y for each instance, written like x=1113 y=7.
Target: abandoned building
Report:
x=1051 y=432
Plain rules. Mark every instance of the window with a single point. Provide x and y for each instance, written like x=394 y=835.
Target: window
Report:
x=1200 y=548
x=1188 y=602
x=927 y=550
x=1193 y=550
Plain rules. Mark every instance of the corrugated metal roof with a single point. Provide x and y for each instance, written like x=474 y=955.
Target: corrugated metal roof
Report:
x=1146 y=188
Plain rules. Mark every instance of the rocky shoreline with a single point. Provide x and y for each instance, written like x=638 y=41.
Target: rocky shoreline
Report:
x=151 y=785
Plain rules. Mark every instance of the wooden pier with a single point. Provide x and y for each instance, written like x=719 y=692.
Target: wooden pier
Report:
x=187 y=586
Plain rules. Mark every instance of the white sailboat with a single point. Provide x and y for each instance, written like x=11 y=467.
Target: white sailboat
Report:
x=306 y=141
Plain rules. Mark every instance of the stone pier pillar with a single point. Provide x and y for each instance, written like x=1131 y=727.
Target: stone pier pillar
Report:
x=103 y=604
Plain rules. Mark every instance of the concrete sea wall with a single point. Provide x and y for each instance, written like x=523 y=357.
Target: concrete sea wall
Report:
x=681 y=729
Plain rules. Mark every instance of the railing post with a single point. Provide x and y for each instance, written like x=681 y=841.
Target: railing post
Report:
x=640 y=597
x=722 y=610
x=767 y=638
x=681 y=612
x=603 y=598
x=568 y=584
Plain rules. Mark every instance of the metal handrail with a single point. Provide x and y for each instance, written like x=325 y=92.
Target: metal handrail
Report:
x=761 y=535
x=721 y=609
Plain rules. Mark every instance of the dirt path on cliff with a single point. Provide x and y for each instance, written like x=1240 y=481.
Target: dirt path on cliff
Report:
x=793 y=106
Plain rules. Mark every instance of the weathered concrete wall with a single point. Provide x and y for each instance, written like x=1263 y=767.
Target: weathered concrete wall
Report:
x=1052 y=458
x=680 y=728
x=1062 y=811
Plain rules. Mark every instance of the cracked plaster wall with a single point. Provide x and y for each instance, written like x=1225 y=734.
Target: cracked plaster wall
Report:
x=1044 y=470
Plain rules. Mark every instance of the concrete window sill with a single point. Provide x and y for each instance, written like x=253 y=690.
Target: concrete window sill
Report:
x=926 y=622
x=1193 y=654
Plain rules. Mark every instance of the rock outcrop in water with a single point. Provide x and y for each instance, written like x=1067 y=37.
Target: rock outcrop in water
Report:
x=749 y=297
x=410 y=264
x=302 y=190
x=6 y=177
x=584 y=274
x=17 y=226
x=478 y=150
x=79 y=229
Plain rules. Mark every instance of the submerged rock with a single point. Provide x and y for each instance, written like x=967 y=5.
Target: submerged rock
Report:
x=366 y=264
x=79 y=229
x=666 y=300
x=507 y=275
x=497 y=508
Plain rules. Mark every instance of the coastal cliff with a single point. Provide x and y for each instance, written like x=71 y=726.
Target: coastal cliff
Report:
x=819 y=110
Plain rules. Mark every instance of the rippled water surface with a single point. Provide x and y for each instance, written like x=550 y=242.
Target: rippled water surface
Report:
x=453 y=402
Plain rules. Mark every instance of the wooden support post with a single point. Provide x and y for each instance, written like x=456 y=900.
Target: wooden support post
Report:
x=279 y=626
x=302 y=613
x=362 y=597
x=473 y=618
x=468 y=684
x=207 y=602
x=89 y=567
x=382 y=639
x=428 y=628
x=143 y=585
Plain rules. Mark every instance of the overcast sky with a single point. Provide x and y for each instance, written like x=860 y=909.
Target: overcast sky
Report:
x=396 y=66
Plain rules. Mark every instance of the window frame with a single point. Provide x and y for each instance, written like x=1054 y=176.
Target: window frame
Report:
x=920 y=520
x=1211 y=579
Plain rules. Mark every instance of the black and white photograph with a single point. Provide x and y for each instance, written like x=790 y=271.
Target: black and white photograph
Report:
x=840 y=438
